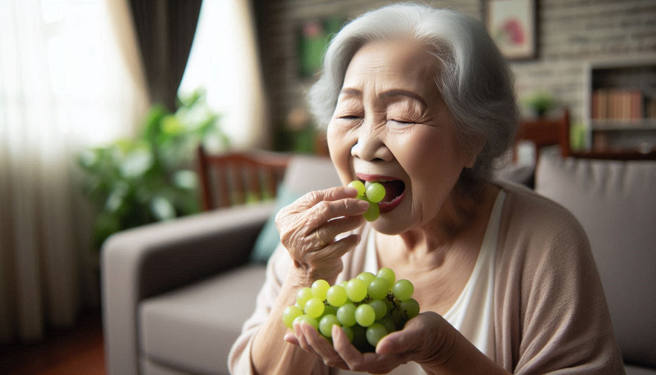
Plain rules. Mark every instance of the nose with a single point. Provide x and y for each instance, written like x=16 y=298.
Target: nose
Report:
x=370 y=146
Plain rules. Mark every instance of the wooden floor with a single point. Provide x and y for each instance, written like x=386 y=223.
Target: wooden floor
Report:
x=75 y=351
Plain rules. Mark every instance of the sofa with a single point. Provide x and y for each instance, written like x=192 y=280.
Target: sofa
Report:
x=615 y=202
x=176 y=294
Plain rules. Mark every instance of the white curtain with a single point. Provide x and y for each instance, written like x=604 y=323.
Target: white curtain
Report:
x=224 y=60
x=68 y=81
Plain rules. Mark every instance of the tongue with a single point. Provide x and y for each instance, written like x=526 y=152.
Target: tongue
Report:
x=392 y=190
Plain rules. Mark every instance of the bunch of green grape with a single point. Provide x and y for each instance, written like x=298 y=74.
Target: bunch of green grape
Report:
x=372 y=192
x=366 y=308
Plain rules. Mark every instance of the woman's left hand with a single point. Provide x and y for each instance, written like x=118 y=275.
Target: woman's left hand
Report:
x=424 y=339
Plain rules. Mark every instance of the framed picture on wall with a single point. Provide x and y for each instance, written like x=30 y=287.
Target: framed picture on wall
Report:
x=314 y=36
x=513 y=26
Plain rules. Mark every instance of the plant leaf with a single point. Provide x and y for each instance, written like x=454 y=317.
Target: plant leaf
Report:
x=186 y=179
x=162 y=208
x=136 y=162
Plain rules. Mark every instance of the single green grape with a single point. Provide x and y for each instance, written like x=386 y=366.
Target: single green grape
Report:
x=304 y=318
x=326 y=325
x=411 y=307
x=349 y=333
x=398 y=318
x=359 y=186
x=379 y=308
x=375 y=333
x=365 y=315
x=328 y=310
x=346 y=315
x=372 y=212
x=336 y=296
x=320 y=288
x=314 y=307
x=387 y=274
x=303 y=296
x=343 y=284
x=356 y=290
x=375 y=192
x=387 y=323
x=367 y=277
x=389 y=304
x=403 y=289
x=378 y=288
x=290 y=314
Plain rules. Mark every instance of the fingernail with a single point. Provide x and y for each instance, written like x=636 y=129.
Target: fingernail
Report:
x=351 y=191
x=384 y=347
x=363 y=205
x=335 y=329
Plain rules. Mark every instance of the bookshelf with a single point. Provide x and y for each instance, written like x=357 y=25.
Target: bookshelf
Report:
x=621 y=104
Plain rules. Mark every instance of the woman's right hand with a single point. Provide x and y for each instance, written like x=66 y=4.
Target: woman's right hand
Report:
x=308 y=228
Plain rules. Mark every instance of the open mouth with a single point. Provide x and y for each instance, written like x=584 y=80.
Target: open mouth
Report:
x=394 y=190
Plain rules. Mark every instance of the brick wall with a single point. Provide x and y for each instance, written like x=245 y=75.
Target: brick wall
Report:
x=571 y=32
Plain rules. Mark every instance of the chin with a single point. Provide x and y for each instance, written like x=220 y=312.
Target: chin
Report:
x=388 y=228
x=391 y=224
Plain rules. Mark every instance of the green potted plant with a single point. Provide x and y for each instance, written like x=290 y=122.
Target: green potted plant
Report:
x=539 y=102
x=150 y=178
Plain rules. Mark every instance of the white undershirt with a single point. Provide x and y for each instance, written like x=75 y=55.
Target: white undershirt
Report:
x=473 y=312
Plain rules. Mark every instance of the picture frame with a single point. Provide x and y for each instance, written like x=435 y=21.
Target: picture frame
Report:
x=513 y=25
x=313 y=38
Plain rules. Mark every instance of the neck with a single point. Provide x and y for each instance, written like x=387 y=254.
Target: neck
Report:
x=460 y=215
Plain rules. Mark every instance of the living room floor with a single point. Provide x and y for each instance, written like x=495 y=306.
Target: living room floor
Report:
x=74 y=351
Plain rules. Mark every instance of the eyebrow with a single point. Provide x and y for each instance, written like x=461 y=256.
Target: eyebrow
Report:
x=387 y=94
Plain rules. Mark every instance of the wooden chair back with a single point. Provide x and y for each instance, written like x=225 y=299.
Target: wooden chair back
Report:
x=238 y=177
x=542 y=132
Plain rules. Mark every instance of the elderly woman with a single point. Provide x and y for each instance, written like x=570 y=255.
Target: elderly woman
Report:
x=421 y=100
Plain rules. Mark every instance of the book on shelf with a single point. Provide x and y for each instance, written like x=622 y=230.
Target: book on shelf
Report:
x=619 y=104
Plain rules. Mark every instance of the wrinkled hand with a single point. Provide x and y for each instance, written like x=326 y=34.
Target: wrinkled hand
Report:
x=424 y=339
x=308 y=228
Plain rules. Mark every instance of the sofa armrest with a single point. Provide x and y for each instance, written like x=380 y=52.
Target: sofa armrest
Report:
x=145 y=261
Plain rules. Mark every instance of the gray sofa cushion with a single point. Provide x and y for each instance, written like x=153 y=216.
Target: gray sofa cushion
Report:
x=149 y=367
x=308 y=173
x=192 y=329
x=304 y=174
x=616 y=204
x=632 y=370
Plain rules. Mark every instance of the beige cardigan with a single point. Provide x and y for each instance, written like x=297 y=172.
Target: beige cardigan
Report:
x=550 y=310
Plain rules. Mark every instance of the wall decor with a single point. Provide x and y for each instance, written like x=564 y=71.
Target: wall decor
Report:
x=314 y=36
x=513 y=26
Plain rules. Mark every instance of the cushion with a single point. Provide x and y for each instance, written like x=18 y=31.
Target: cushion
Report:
x=632 y=370
x=615 y=202
x=304 y=174
x=269 y=237
x=149 y=367
x=192 y=329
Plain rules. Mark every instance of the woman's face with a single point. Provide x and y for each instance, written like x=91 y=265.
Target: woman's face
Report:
x=391 y=125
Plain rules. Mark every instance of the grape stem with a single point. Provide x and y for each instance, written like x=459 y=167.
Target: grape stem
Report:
x=390 y=297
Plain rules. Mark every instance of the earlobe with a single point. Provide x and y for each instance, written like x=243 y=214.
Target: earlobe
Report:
x=473 y=155
x=471 y=161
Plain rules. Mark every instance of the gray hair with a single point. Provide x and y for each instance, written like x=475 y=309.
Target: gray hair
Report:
x=475 y=80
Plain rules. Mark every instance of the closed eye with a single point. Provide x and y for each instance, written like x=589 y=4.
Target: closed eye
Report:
x=403 y=122
x=350 y=117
